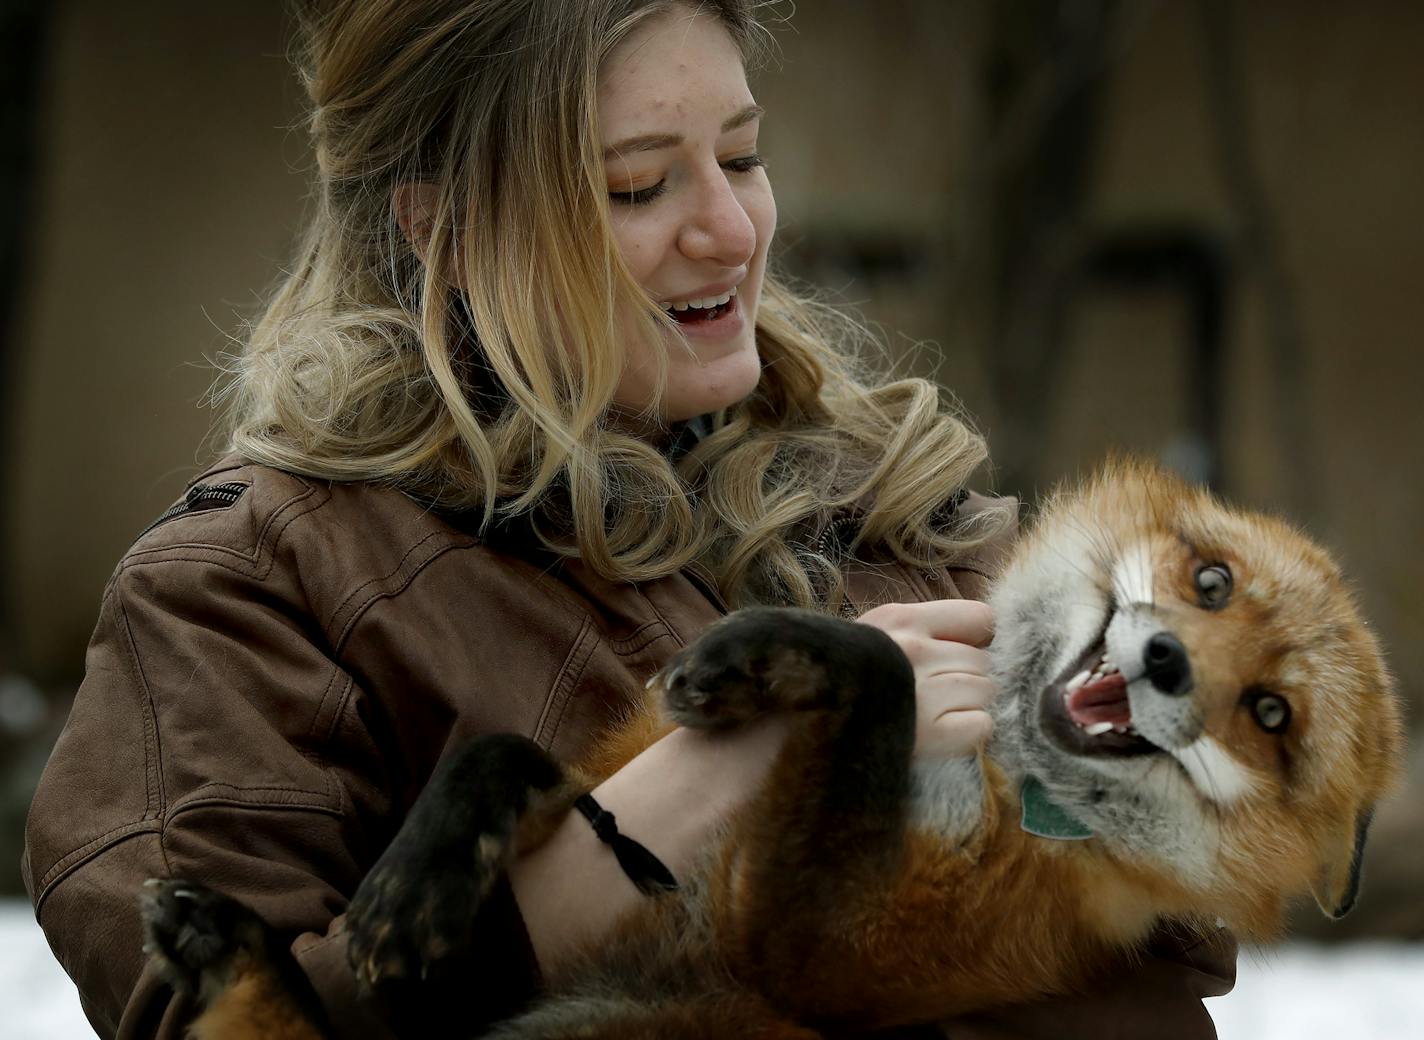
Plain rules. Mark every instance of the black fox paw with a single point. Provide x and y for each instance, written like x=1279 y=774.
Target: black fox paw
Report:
x=192 y=931
x=412 y=916
x=770 y=659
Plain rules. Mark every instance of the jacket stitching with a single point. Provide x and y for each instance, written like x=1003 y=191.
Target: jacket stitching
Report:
x=552 y=717
x=676 y=635
x=148 y=712
x=337 y=711
x=653 y=638
x=647 y=633
x=317 y=944
x=76 y=857
x=336 y=672
x=163 y=853
x=383 y=592
x=243 y=798
x=264 y=544
x=558 y=592
x=354 y=593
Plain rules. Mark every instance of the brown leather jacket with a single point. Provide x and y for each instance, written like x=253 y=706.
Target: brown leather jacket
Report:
x=277 y=668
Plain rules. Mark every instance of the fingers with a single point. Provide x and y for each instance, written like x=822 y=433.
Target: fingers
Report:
x=953 y=715
x=945 y=641
x=956 y=620
x=946 y=658
x=956 y=734
x=954 y=691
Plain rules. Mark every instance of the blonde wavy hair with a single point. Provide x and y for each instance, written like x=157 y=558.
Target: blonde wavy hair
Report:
x=452 y=377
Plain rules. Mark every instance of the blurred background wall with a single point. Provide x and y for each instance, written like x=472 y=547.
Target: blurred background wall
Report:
x=1187 y=228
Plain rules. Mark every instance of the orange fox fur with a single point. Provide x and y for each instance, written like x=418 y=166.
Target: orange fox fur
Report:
x=1203 y=803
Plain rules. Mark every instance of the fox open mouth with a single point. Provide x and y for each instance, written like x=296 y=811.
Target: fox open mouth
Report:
x=1086 y=710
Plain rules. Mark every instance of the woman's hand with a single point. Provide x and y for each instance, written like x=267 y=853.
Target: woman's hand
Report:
x=945 y=641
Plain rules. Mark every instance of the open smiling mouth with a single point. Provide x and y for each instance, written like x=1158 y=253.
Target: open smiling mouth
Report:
x=1086 y=709
x=702 y=312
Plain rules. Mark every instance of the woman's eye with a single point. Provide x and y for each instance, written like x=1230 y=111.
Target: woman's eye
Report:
x=1213 y=585
x=639 y=197
x=744 y=163
x=741 y=164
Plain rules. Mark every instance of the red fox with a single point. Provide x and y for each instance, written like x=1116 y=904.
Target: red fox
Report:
x=1187 y=690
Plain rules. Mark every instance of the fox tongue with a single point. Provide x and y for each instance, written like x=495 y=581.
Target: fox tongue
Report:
x=1101 y=700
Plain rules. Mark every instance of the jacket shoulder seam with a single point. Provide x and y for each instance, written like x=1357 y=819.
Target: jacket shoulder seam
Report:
x=381 y=588
x=257 y=562
x=75 y=858
x=267 y=797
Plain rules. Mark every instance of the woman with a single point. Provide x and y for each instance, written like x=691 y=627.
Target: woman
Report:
x=528 y=414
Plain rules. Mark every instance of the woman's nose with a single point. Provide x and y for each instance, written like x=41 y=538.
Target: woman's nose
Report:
x=719 y=227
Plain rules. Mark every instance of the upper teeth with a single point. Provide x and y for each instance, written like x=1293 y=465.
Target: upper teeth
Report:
x=1101 y=670
x=710 y=301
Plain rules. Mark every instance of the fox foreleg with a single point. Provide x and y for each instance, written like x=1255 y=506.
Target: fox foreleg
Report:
x=412 y=921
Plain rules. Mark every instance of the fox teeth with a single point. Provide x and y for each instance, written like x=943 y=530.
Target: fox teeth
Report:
x=1103 y=669
x=701 y=304
x=1098 y=728
x=1076 y=682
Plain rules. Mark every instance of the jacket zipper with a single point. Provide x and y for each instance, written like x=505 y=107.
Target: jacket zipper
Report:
x=200 y=497
x=832 y=533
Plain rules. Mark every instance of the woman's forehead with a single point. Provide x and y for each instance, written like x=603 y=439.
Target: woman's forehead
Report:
x=676 y=65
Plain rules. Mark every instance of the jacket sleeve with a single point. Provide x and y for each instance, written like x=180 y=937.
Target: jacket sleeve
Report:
x=215 y=739
x=1160 y=997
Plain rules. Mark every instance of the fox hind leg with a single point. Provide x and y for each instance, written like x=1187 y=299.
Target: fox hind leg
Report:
x=218 y=951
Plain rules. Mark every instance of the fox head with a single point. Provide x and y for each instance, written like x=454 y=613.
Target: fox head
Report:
x=1197 y=686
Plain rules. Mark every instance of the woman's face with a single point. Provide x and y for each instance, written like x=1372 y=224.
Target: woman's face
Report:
x=693 y=212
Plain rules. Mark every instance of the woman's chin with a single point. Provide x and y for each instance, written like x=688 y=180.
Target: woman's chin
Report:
x=695 y=389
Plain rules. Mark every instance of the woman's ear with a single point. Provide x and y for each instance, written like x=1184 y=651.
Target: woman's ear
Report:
x=413 y=203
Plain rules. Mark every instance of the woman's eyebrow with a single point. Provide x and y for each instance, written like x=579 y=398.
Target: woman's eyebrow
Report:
x=653 y=142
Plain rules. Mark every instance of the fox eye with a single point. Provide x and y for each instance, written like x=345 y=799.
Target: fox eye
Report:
x=1271 y=712
x=1213 y=585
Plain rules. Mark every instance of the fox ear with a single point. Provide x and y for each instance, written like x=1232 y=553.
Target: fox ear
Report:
x=1338 y=884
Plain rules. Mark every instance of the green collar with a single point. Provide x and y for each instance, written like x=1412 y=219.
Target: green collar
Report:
x=1046 y=818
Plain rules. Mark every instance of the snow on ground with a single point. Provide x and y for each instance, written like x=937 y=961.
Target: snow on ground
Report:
x=1296 y=992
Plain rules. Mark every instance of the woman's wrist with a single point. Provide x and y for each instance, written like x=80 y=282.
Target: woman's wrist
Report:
x=671 y=798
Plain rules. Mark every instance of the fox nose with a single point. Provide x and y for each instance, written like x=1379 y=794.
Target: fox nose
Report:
x=1165 y=660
